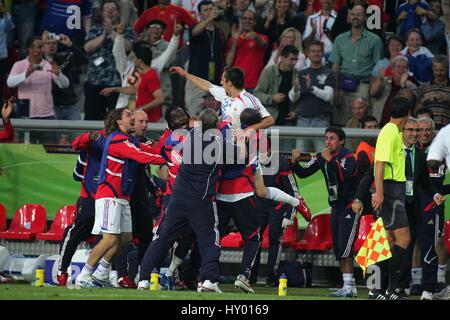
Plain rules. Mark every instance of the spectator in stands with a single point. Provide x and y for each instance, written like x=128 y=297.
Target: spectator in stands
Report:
x=412 y=14
x=101 y=72
x=339 y=169
x=130 y=74
x=419 y=57
x=383 y=90
x=225 y=18
x=72 y=18
x=239 y=8
x=446 y=19
x=360 y=109
x=246 y=50
x=313 y=92
x=65 y=100
x=343 y=22
x=24 y=14
x=159 y=45
x=7 y=134
x=424 y=112
x=319 y=25
x=168 y=13
x=209 y=102
x=289 y=37
x=128 y=12
x=383 y=68
x=434 y=30
x=6 y=28
x=149 y=96
x=34 y=76
x=435 y=95
x=354 y=54
x=206 y=47
x=280 y=17
x=274 y=85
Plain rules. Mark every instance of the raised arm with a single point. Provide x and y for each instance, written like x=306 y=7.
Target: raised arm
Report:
x=202 y=84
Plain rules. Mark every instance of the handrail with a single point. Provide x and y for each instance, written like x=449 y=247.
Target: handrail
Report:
x=284 y=131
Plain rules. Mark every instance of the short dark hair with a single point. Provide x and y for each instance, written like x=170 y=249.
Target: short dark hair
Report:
x=31 y=40
x=366 y=119
x=441 y=59
x=143 y=51
x=236 y=76
x=337 y=130
x=416 y=30
x=400 y=107
x=107 y=1
x=111 y=124
x=250 y=117
x=204 y=3
x=315 y=43
x=287 y=50
x=388 y=42
x=209 y=119
x=168 y=115
x=424 y=110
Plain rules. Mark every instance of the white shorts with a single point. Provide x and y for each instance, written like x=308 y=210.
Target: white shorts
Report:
x=111 y=216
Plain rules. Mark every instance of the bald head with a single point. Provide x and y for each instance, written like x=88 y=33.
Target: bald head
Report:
x=140 y=122
x=359 y=108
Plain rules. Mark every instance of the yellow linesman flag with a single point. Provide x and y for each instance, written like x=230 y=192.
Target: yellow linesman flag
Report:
x=375 y=248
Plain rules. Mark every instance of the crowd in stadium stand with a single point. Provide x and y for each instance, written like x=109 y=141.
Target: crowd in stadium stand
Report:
x=317 y=63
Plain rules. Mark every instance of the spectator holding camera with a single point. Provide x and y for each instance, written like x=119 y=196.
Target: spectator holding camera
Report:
x=246 y=49
x=34 y=76
x=102 y=71
x=65 y=100
x=206 y=47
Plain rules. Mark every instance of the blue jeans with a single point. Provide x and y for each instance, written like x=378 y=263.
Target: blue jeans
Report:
x=70 y=112
x=24 y=16
x=316 y=144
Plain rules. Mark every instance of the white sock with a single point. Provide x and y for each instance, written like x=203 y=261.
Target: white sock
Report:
x=86 y=271
x=174 y=264
x=102 y=269
x=348 y=280
x=442 y=270
x=276 y=194
x=416 y=276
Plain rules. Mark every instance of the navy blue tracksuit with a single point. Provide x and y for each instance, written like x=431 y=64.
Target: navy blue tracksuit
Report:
x=192 y=203
x=272 y=213
x=342 y=181
x=430 y=228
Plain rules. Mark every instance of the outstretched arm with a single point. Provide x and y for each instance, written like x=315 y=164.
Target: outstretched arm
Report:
x=202 y=84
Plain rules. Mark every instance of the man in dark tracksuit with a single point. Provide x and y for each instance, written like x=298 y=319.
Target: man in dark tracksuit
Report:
x=276 y=216
x=193 y=202
x=90 y=145
x=338 y=166
x=431 y=226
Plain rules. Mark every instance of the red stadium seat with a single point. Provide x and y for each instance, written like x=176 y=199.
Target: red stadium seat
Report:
x=365 y=225
x=317 y=234
x=232 y=240
x=63 y=218
x=2 y=217
x=289 y=237
x=447 y=235
x=29 y=220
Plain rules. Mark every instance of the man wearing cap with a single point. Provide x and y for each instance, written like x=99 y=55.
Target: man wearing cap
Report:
x=167 y=12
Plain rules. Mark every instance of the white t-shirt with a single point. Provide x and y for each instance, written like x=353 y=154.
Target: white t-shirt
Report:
x=231 y=108
x=319 y=19
x=440 y=147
